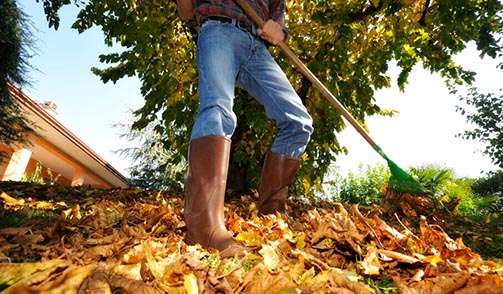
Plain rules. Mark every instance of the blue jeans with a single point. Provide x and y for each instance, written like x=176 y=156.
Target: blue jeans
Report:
x=226 y=56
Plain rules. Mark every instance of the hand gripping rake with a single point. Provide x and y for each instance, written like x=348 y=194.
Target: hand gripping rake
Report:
x=399 y=181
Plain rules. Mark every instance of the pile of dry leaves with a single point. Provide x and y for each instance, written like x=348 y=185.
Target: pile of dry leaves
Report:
x=131 y=241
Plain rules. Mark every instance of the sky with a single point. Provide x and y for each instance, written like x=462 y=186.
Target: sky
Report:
x=422 y=133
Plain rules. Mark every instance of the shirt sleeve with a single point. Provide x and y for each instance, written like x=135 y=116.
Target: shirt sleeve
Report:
x=277 y=11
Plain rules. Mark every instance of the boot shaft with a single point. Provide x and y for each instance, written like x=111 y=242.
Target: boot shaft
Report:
x=205 y=187
x=277 y=174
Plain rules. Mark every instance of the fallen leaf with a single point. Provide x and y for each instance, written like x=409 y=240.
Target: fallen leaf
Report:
x=11 y=201
x=53 y=281
x=13 y=272
x=190 y=284
x=133 y=286
x=441 y=284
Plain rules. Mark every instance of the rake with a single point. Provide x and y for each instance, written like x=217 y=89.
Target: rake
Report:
x=399 y=181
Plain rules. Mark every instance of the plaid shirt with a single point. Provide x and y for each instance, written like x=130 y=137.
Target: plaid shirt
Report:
x=267 y=9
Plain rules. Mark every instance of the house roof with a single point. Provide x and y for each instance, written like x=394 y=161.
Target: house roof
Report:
x=69 y=144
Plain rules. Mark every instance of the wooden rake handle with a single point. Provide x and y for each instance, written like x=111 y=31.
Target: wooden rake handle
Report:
x=314 y=80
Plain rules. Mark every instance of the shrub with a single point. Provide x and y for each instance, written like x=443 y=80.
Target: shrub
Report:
x=363 y=187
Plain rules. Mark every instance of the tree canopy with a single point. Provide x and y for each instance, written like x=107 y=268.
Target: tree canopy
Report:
x=488 y=123
x=348 y=45
x=16 y=47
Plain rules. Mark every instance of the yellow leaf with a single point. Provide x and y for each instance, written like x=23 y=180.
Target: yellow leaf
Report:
x=301 y=241
x=44 y=205
x=433 y=259
x=248 y=238
x=53 y=281
x=190 y=284
x=307 y=277
x=271 y=258
x=10 y=201
x=13 y=272
x=306 y=184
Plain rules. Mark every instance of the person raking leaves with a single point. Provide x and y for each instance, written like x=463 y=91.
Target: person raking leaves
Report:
x=232 y=50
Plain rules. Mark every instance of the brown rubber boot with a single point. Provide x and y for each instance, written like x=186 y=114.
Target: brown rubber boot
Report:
x=277 y=174
x=204 y=196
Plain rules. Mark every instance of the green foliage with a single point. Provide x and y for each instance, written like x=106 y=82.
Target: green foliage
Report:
x=447 y=189
x=487 y=116
x=490 y=189
x=16 y=47
x=152 y=159
x=364 y=187
x=19 y=218
x=346 y=44
x=433 y=178
x=491 y=184
x=37 y=176
x=459 y=191
x=383 y=286
x=472 y=197
x=51 y=10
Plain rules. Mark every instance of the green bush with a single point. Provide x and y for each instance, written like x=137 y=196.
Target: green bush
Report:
x=490 y=191
x=363 y=187
x=463 y=196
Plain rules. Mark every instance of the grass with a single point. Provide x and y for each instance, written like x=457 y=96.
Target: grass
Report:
x=22 y=217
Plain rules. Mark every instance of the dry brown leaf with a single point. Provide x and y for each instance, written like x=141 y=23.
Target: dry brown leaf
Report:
x=13 y=272
x=106 y=214
x=407 y=209
x=340 y=228
x=389 y=231
x=169 y=221
x=104 y=240
x=28 y=239
x=133 y=286
x=433 y=238
x=134 y=255
x=72 y=213
x=96 y=283
x=103 y=251
x=441 y=284
x=338 y=280
x=371 y=265
x=15 y=231
x=398 y=256
x=266 y=283
x=112 y=228
x=128 y=271
x=53 y=281
x=487 y=284
x=206 y=281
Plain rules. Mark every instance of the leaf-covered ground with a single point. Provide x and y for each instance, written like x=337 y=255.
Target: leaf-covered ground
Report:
x=56 y=239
